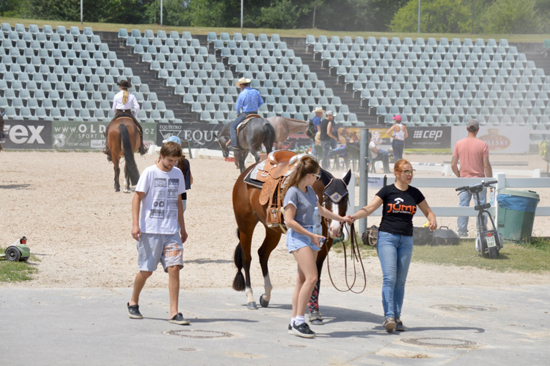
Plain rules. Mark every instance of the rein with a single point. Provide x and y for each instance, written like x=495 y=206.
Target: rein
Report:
x=355 y=256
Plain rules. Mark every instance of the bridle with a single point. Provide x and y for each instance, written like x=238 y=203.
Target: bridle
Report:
x=355 y=251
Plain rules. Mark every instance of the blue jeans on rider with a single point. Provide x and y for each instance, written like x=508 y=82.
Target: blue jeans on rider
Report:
x=465 y=198
x=394 y=252
x=234 y=124
x=325 y=162
x=384 y=156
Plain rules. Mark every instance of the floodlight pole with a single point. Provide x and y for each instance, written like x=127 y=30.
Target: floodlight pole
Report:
x=81 y=11
x=242 y=11
x=161 y=13
x=419 y=6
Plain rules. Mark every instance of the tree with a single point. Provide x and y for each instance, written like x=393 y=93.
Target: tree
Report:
x=437 y=16
x=280 y=14
x=512 y=17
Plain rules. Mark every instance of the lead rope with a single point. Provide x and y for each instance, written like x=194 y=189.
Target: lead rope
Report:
x=355 y=253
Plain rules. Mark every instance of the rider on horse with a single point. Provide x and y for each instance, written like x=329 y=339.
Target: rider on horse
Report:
x=249 y=101
x=122 y=106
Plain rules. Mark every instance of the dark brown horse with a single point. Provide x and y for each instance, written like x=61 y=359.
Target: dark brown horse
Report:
x=284 y=127
x=2 y=135
x=255 y=133
x=123 y=140
x=248 y=212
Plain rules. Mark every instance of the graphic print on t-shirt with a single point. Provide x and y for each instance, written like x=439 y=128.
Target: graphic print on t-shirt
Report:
x=165 y=203
x=398 y=207
x=160 y=182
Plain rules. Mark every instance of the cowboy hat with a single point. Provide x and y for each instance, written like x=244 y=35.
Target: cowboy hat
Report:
x=319 y=110
x=124 y=84
x=243 y=81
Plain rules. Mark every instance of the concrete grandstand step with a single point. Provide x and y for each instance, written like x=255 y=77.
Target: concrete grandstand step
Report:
x=331 y=82
x=149 y=77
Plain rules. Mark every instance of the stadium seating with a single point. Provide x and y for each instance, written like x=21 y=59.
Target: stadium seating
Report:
x=442 y=74
x=52 y=67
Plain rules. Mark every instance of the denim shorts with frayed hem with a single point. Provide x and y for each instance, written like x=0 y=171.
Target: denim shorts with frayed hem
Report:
x=295 y=241
x=164 y=248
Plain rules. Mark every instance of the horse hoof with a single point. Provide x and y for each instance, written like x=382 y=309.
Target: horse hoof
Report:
x=263 y=302
x=252 y=305
x=117 y=189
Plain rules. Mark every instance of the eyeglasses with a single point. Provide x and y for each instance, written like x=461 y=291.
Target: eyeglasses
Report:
x=317 y=176
x=407 y=172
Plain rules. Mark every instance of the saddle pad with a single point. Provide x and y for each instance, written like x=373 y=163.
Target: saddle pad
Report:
x=251 y=181
x=248 y=118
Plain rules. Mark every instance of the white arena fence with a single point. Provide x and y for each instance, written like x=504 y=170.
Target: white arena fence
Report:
x=452 y=183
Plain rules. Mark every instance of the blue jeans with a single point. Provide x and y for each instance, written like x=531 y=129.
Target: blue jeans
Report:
x=465 y=198
x=313 y=151
x=383 y=155
x=234 y=124
x=326 y=152
x=394 y=252
x=398 y=146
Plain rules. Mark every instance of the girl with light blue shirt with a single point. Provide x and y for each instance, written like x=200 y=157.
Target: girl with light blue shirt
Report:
x=299 y=202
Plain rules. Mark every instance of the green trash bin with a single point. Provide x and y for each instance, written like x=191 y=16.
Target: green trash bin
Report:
x=516 y=214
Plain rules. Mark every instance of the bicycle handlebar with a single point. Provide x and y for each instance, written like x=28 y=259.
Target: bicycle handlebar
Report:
x=484 y=184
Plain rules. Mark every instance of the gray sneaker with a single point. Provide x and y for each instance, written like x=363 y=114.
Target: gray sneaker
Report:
x=316 y=318
x=179 y=319
x=399 y=325
x=389 y=324
x=133 y=311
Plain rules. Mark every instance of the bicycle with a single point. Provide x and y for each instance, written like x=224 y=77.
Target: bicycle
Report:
x=488 y=242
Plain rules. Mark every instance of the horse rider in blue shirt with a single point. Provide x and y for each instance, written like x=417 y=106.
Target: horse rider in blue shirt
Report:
x=248 y=102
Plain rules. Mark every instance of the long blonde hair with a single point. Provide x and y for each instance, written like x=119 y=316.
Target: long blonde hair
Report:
x=125 y=95
x=306 y=165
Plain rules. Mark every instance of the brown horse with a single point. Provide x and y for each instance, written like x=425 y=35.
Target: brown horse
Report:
x=2 y=135
x=248 y=212
x=123 y=140
x=284 y=127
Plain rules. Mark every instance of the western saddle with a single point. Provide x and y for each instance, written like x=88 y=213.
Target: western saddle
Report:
x=271 y=176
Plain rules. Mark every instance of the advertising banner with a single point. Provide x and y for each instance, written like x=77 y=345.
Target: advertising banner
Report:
x=201 y=135
x=500 y=139
x=428 y=138
x=89 y=135
x=28 y=135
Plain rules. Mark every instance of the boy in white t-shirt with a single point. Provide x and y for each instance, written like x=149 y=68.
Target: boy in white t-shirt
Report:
x=158 y=197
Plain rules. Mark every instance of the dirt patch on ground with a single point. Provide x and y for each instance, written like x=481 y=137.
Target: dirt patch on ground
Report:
x=65 y=203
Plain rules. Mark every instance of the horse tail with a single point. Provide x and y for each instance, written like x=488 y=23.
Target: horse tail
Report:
x=130 y=166
x=239 y=282
x=270 y=137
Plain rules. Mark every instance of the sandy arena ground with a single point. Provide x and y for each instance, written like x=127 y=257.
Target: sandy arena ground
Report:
x=79 y=228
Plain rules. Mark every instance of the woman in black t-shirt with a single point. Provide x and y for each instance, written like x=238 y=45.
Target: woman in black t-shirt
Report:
x=395 y=237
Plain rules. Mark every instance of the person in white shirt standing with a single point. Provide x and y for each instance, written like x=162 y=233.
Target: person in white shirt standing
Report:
x=123 y=102
x=158 y=197
x=399 y=133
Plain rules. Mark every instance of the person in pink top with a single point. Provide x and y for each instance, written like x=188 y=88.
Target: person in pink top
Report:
x=473 y=155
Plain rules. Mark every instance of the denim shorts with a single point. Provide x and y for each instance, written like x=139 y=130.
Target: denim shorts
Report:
x=155 y=248
x=295 y=241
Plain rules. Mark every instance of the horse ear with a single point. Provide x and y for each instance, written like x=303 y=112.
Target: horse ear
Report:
x=347 y=177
